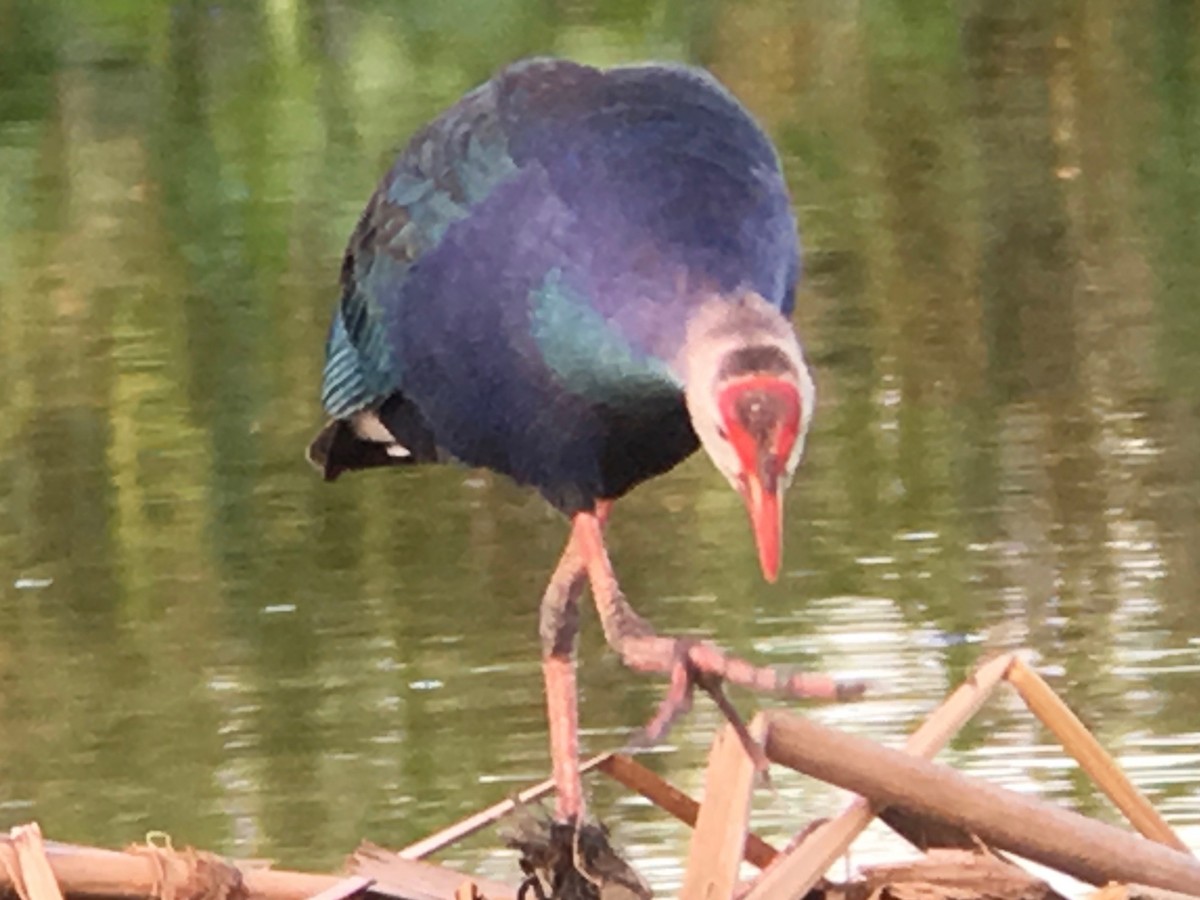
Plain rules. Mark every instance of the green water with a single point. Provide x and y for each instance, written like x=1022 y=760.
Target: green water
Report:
x=1001 y=210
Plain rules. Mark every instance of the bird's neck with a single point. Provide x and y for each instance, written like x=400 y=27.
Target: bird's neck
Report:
x=742 y=335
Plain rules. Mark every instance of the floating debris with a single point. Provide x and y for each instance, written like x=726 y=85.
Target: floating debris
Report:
x=565 y=861
x=276 y=609
x=32 y=584
x=962 y=826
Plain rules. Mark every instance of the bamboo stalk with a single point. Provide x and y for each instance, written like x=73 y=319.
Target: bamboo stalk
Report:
x=344 y=888
x=1138 y=892
x=802 y=867
x=413 y=879
x=1085 y=849
x=957 y=874
x=1044 y=703
x=93 y=872
x=670 y=799
x=37 y=878
x=719 y=840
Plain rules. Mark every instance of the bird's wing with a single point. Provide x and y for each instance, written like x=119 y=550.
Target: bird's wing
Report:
x=452 y=164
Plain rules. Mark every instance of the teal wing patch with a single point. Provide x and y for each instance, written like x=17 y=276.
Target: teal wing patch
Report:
x=588 y=356
x=448 y=167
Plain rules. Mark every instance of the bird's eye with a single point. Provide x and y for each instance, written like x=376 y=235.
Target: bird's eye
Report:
x=722 y=433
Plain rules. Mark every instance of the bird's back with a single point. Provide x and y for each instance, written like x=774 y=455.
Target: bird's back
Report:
x=518 y=288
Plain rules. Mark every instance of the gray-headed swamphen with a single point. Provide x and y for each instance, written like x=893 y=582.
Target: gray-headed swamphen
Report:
x=576 y=277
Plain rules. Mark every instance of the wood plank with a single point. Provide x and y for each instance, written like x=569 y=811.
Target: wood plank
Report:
x=1044 y=703
x=1066 y=841
x=410 y=879
x=93 y=872
x=37 y=881
x=344 y=889
x=719 y=841
x=926 y=833
x=1138 y=892
x=957 y=874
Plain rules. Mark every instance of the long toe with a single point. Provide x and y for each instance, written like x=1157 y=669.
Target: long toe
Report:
x=691 y=664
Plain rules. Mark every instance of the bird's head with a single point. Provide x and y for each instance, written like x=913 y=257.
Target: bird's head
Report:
x=750 y=397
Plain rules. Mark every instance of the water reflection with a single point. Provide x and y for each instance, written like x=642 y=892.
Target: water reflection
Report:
x=197 y=635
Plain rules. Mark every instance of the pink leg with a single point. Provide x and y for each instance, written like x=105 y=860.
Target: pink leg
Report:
x=559 y=626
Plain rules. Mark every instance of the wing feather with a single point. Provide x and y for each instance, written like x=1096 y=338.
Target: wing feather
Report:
x=452 y=164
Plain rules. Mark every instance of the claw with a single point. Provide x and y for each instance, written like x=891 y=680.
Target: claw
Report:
x=753 y=749
x=678 y=699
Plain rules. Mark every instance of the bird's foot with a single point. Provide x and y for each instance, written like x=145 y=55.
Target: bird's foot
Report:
x=570 y=860
x=692 y=663
x=689 y=663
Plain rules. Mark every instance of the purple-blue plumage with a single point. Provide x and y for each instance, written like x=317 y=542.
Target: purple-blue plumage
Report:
x=657 y=160
x=519 y=287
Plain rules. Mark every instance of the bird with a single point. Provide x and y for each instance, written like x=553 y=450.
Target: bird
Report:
x=577 y=277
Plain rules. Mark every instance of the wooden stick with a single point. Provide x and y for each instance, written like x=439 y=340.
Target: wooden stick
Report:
x=34 y=869
x=345 y=888
x=413 y=879
x=925 y=833
x=452 y=834
x=718 y=843
x=92 y=872
x=794 y=875
x=1138 y=892
x=961 y=874
x=1085 y=849
x=1044 y=703
x=670 y=799
x=620 y=768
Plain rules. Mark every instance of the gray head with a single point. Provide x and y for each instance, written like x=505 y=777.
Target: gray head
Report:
x=750 y=397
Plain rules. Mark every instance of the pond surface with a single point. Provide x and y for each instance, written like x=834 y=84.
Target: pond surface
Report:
x=1001 y=213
